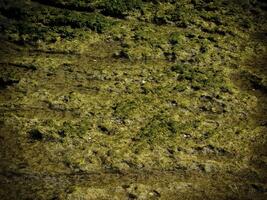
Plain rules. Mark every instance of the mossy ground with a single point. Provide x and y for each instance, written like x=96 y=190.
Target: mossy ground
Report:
x=133 y=99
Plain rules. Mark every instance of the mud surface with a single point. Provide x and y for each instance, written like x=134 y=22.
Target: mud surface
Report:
x=133 y=99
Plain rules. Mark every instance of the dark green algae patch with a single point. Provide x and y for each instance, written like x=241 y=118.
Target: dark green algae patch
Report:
x=133 y=99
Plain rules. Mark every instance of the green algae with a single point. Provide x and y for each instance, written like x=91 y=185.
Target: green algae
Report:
x=26 y=23
x=118 y=8
x=170 y=91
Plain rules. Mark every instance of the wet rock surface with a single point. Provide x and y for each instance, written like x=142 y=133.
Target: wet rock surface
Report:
x=133 y=99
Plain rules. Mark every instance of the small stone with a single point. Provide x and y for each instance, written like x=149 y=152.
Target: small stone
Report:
x=186 y=135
